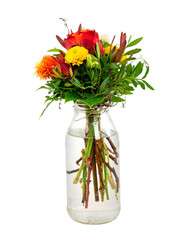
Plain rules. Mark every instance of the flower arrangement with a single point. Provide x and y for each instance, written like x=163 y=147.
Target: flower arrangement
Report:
x=99 y=74
x=91 y=70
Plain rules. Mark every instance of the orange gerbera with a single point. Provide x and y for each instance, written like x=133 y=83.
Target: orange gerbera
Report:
x=44 y=68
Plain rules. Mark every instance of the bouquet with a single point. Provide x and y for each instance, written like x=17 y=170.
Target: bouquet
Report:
x=97 y=74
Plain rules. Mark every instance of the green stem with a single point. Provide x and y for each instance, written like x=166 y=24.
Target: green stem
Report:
x=100 y=172
x=94 y=171
x=90 y=137
x=80 y=169
x=105 y=172
x=106 y=182
x=84 y=183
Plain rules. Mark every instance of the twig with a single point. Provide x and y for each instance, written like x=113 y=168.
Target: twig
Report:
x=112 y=146
x=78 y=161
x=110 y=150
x=113 y=158
x=112 y=42
x=65 y=23
x=110 y=168
x=72 y=171
x=110 y=177
x=102 y=187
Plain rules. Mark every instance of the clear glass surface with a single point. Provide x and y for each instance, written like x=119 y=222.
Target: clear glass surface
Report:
x=95 y=197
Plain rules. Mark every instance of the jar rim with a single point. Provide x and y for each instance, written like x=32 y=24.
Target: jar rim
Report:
x=81 y=106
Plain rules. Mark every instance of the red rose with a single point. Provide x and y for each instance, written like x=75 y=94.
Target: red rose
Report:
x=86 y=38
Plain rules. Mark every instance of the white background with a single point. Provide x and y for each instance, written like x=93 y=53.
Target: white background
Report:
x=32 y=151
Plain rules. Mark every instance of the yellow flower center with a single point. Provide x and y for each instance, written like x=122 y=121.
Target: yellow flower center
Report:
x=76 y=55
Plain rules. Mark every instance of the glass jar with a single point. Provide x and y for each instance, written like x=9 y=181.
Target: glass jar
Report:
x=92 y=164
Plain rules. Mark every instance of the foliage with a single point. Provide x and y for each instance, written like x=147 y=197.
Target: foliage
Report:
x=101 y=79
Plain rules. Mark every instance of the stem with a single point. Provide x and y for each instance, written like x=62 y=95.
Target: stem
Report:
x=90 y=137
x=89 y=166
x=114 y=149
x=80 y=169
x=95 y=159
x=111 y=180
x=102 y=185
x=84 y=183
x=87 y=186
x=110 y=150
x=113 y=158
x=105 y=171
x=109 y=167
x=94 y=172
x=109 y=174
x=106 y=182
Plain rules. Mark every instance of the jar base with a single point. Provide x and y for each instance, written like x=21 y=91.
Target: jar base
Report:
x=93 y=217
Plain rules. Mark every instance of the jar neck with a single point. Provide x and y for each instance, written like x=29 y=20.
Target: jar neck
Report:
x=84 y=108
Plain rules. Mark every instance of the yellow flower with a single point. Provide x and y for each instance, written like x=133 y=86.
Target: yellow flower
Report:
x=107 y=51
x=123 y=57
x=76 y=55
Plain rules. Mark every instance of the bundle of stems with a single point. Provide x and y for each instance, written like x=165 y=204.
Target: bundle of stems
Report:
x=94 y=163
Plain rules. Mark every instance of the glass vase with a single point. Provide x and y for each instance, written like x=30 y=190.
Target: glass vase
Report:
x=92 y=166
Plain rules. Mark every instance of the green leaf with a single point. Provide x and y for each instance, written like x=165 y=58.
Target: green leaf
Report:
x=106 y=91
x=92 y=101
x=98 y=50
x=57 y=74
x=130 y=88
x=57 y=83
x=129 y=38
x=50 y=84
x=67 y=84
x=103 y=84
x=92 y=61
x=148 y=85
x=141 y=84
x=138 y=69
x=52 y=98
x=146 y=73
x=77 y=83
x=112 y=66
x=129 y=70
x=126 y=92
x=71 y=96
x=46 y=108
x=90 y=87
x=43 y=87
x=117 y=99
x=55 y=50
x=134 y=82
x=134 y=50
x=136 y=41
x=131 y=59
